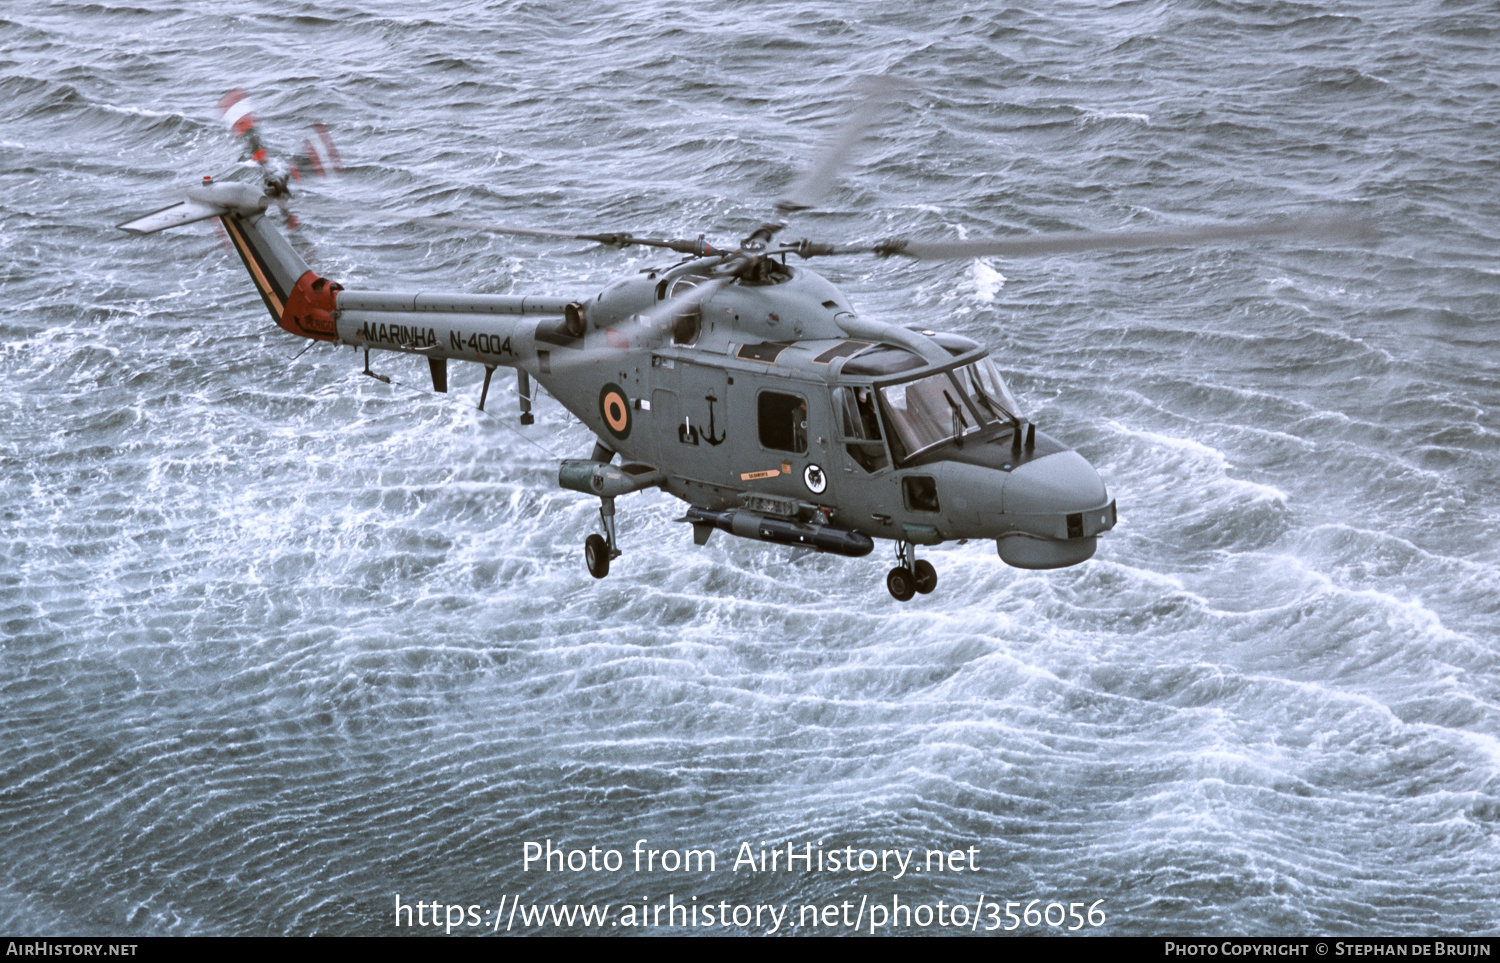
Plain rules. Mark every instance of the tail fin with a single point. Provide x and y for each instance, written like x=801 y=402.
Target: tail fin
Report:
x=274 y=266
x=298 y=299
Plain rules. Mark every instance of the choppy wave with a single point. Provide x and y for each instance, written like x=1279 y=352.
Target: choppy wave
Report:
x=280 y=641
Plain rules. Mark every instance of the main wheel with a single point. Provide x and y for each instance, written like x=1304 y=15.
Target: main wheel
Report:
x=901 y=584
x=926 y=576
x=596 y=555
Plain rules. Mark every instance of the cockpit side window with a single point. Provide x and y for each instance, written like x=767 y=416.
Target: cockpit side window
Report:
x=860 y=426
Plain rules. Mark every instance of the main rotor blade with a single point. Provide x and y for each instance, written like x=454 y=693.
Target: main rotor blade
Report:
x=648 y=330
x=495 y=228
x=1040 y=244
x=807 y=190
x=659 y=319
x=699 y=246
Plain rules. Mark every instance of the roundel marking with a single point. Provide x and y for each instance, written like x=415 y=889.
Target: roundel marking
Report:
x=815 y=480
x=615 y=408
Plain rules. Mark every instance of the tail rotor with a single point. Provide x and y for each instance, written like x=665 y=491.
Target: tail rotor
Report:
x=317 y=158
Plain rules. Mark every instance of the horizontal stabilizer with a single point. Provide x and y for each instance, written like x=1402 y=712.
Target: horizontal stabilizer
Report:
x=183 y=212
x=204 y=202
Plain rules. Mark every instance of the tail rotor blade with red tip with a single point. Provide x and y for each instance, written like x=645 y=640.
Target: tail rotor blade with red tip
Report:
x=319 y=155
x=238 y=113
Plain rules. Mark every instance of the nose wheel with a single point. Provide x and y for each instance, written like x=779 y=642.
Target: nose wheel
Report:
x=911 y=575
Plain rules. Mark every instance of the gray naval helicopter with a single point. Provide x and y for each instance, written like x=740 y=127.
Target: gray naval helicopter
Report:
x=737 y=380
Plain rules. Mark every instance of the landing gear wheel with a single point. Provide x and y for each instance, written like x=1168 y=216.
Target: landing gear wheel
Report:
x=899 y=580
x=925 y=575
x=596 y=555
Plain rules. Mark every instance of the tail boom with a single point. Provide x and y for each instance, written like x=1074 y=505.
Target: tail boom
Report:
x=489 y=329
x=492 y=330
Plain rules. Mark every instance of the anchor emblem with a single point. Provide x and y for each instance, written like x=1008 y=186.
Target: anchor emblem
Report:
x=708 y=436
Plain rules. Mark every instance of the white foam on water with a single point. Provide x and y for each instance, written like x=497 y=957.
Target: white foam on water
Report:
x=284 y=628
x=1203 y=459
x=985 y=280
x=1099 y=116
x=140 y=111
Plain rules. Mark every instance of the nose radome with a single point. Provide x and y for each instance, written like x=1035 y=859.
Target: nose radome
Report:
x=1060 y=482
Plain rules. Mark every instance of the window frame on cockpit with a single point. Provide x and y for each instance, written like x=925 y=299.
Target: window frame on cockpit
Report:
x=870 y=453
x=894 y=434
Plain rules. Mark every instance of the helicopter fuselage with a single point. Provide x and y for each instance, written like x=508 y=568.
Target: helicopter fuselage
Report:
x=763 y=401
x=753 y=408
x=745 y=386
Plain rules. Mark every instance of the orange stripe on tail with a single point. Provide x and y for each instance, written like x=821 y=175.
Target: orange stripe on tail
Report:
x=259 y=273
